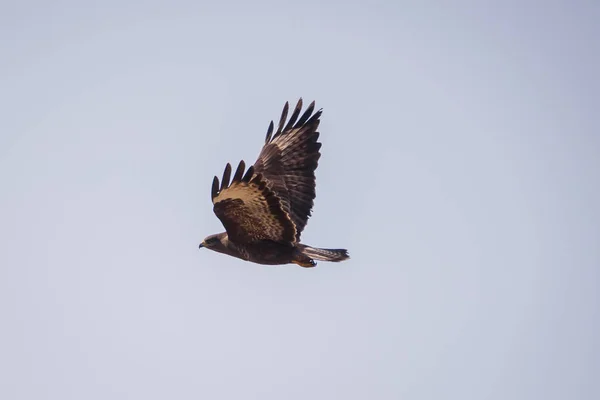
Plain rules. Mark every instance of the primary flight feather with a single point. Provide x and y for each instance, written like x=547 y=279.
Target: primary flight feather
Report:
x=265 y=208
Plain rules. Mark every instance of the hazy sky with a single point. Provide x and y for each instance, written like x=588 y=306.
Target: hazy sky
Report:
x=460 y=167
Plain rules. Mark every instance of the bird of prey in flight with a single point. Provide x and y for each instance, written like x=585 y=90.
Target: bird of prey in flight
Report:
x=265 y=208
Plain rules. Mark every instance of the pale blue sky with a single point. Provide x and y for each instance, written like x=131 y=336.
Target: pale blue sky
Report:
x=460 y=168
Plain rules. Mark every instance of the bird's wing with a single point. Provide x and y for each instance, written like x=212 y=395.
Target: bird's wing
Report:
x=288 y=160
x=248 y=209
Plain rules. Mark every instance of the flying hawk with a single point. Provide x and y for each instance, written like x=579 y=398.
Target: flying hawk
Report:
x=265 y=208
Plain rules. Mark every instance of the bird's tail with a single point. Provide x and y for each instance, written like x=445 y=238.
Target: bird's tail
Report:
x=334 y=255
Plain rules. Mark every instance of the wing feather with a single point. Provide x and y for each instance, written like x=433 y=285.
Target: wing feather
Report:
x=249 y=210
x=288 y=160
x=306 y=114
x=239 y=171
x=215 y=188
x=226 y=176
x=269 y=132
x=294 y=116
x=284 y=114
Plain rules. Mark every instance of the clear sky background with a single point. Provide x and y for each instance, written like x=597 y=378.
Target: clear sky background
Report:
x=460 y=167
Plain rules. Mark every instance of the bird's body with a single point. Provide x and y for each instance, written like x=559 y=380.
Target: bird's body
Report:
x=265 y=252
x=265 y=208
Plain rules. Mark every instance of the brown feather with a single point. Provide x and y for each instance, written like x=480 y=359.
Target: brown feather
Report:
x=282 y=119
x=251 y=212
x=239 y=171
x=269 y=132
x=215 y=188
x=249 y=174
x=294 y=116
x=306 y=114
x=226 y=176
x=289 y=160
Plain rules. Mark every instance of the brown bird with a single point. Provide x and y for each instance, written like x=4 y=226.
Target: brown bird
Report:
x=265 y=208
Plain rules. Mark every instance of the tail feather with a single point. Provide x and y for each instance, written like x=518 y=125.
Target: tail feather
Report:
x=334 y=255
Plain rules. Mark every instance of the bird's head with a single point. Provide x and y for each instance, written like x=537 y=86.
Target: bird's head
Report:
x=216 y=242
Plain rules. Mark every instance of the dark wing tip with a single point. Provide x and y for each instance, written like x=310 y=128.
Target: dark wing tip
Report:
x=294 y=116
x=306 y=115
x=215 y=188
x=269 y=132
x=226 y=176
x=307 y=118
x=284 y=114
x=249 y=174
x=239 y=171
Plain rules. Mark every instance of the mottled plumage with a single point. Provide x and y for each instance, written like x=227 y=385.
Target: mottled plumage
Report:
x=265 y=208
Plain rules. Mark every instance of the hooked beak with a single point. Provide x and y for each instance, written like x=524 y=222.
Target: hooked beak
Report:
x=201 y=245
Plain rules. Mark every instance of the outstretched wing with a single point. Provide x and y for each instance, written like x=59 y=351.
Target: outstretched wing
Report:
x=288 y=160
x=248 y=209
